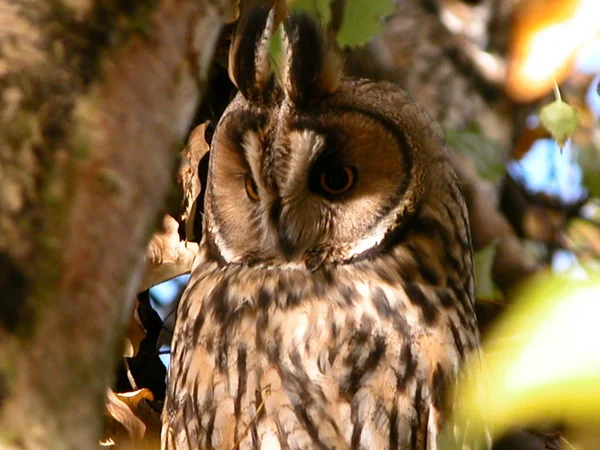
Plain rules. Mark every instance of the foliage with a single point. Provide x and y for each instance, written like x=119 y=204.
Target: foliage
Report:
x=589 y=159
x=560 y=119
x=541 y=360
x=483 y=261
x=487 y=155
x=362 y=19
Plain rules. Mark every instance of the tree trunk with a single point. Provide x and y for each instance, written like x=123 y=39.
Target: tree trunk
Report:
x=95 y=100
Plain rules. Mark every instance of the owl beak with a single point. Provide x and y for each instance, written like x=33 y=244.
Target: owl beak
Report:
x=293 y=237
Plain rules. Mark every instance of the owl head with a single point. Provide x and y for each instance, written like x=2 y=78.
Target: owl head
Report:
x=307 y=167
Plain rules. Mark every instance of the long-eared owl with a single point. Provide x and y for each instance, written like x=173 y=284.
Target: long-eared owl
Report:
x=331 y=304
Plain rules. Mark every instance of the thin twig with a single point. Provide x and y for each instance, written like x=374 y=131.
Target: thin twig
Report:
x=486 y=301
x=164 y=327
x=562 y=438
x=130 y=376
x=590 y=220
x=267 y=391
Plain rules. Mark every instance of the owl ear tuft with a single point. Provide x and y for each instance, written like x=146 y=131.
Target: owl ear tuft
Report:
x=312 y=65
x=249 y=67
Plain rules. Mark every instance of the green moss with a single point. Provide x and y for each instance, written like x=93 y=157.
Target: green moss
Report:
x=140 y=21
x=8 y=437
x=76 y=48
x=17 y=130
x=111 y=181
x=4 y=388
x=108 y=26
x=7 y=371
x=6 y=375
x=81 y=151
x=80 y=144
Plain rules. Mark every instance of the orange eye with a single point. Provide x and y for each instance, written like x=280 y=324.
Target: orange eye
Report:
x=337 y=180
x=251 y=189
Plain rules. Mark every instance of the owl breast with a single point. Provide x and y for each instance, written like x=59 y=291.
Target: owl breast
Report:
x=354 y=356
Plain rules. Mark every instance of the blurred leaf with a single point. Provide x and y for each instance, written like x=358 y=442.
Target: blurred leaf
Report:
x=167 y=256
x=134 y=334
x=317 y=8
x=131 y=422
x=108 y=442
x=276 y=49
x=527 y=140
x=189 y=179
x=362 y=19
x=589 y=159
x=483 y=261
x=585 y=237
x=545 y=38
x=486 y=154
x=560 y=119
x=133 y=398
x=121 y=412
x=542 y=360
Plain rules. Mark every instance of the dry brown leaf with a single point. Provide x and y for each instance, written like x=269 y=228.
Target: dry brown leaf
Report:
x=121 y=412
x=232 y=13
x=134 y=334
x=164 y=245
x=131 y=422
x=167 y=256
x=188 y=178
x=133 y=398
x=146 y=414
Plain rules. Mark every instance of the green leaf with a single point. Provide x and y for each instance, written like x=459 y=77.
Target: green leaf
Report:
x=487 y=155
x=363 y=19
x=542 y=361
x=276 y=49
x=589 y=160
x=560 y=119
x=483 y=261
x=317 y=8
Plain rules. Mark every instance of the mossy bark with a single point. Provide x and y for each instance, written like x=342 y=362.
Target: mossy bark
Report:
x=94 y=98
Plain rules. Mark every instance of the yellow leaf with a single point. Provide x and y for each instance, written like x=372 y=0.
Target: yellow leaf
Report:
x=542 y=360
x=483 y=261
x=560 y=119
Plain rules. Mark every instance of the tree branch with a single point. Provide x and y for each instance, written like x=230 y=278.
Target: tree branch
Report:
x=96 y=98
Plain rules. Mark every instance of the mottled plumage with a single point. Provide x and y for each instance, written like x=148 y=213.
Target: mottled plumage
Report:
x=331 y=303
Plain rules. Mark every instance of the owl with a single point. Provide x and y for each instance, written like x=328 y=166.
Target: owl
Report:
x=331 y=304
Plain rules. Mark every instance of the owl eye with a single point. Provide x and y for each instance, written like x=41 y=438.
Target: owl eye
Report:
x=251 y=189
x=338 y=180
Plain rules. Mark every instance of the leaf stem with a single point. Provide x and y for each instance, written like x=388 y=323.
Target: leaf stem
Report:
x=557 y=92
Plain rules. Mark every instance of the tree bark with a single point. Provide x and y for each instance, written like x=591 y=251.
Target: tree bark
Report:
x=95 y=100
